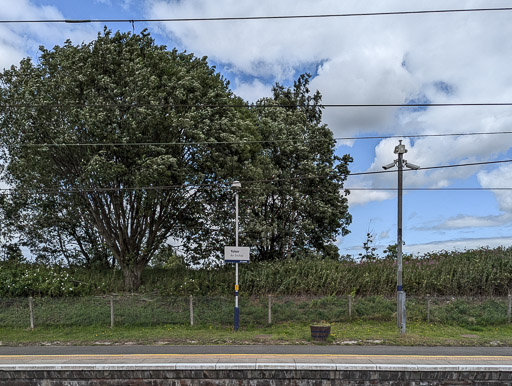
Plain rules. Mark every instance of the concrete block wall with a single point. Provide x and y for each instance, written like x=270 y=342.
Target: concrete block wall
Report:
x=236 y=375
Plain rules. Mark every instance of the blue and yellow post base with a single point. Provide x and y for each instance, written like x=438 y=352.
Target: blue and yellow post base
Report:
x=237 y=310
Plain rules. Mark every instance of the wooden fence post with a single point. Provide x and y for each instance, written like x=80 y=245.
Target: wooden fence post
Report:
x=191 y=307
x=428 y=308
x=509 y=307
x=31 y=311
x=350 y=306
x=111 y=312
x=269 y=309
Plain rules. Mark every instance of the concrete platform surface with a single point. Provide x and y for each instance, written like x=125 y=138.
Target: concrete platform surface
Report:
x=259 y=357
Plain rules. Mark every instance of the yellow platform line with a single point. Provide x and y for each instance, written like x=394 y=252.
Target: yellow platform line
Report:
x=357 y=356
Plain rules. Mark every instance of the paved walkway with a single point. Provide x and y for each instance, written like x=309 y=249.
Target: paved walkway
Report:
x=258 y=357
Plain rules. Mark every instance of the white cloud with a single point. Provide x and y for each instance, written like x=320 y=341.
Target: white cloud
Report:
x=362 y=77
x=499 y=178
x=369 y=60
x=460 y=244
x=252 y=91
x=428 y=152
x=384 y=235
x=462 y=221
x=361 y=197
x=435 y=246
x=260 y=48
x=127 y=4
x=23 y=40
x=11 y=48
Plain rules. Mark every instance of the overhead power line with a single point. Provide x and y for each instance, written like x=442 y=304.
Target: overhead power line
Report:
x=72 y=144
x=119 y=189
x=227 y=185
x=424 y=135
x=455 y=189
x=264 y=17
x=433 y=167
x=246 y=105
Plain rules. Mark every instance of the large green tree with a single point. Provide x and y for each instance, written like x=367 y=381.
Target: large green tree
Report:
x=292 y=201
x=93 y=184
x=300 y=206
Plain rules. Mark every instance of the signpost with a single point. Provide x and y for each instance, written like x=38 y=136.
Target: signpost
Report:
x=236 y=254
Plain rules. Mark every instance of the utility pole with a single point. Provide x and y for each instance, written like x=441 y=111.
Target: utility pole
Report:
x=400 y=150
x=400 y=301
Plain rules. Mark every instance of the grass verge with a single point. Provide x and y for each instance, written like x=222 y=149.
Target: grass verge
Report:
x=355 y=333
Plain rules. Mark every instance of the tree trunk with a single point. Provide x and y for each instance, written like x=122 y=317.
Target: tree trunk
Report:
x=132 y=277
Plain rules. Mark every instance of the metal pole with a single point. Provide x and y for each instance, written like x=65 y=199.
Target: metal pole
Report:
x=399 y=242
x=400 y=294
x=402 y=301
x=237 y=311
x=236 y=219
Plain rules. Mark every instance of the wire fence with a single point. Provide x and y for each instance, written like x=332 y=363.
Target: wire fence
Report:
x=151 y=310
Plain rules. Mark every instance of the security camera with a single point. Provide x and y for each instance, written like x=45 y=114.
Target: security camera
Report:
x=388 y=166
x=411 y=166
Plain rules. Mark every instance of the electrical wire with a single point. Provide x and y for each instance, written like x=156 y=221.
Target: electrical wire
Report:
x=159 y=105
x=226 y=185
x=432 y=167
x=456 y=189
x=276 y=17
x=118 y=189
x=388 y=171
x=424 y=135
x=71 y=144
x=248 y=105
x=257 y=106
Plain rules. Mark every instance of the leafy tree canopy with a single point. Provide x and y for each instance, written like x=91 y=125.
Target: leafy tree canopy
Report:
x=109 y=194
x=292 y=202
x=304 y=209
x=117 y=147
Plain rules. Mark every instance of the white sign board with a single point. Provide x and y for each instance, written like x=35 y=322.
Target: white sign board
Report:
x=236 y=254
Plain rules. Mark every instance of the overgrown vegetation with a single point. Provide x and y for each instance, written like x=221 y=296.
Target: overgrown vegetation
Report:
x=482 y=272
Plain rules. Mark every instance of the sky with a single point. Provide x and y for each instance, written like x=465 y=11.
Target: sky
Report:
x=398 y=59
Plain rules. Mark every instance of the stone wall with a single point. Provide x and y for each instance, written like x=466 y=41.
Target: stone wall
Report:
x=266 y=377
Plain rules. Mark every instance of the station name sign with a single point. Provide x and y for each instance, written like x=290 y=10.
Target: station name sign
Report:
x=236 y=254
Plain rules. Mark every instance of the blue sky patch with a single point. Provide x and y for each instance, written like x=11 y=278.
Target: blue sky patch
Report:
x=444 y=87
x=418 y=99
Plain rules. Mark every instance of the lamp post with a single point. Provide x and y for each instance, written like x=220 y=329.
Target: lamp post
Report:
x=235 y=186
x=400 y=163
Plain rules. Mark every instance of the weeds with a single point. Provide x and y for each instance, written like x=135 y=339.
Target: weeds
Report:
x=482 y=272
